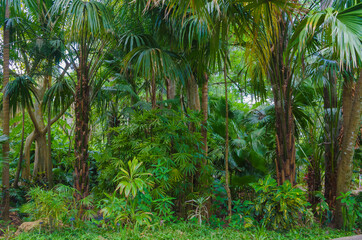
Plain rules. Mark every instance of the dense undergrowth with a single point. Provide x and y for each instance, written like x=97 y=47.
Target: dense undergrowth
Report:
x=190 y=231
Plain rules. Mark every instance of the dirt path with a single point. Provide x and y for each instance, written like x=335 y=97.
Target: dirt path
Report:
x=358 y=237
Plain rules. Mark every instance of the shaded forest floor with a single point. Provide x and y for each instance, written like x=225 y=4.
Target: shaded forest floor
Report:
x=184 y=230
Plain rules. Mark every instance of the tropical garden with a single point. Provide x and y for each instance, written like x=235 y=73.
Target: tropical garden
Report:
x=193 y=119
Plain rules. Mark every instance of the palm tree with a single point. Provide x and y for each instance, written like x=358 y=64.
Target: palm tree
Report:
x=332 y=127
x=20 y=93
x=6 y=70
x=270 y=37
x=342 y=31
x=30 y=21
x=89 y=33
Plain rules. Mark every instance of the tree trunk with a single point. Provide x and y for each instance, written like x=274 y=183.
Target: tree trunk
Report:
x=160 y=98
x=314 y=181
x=205 y=108
x=204 y=104
x=20 y=162
x=171 y=89
x=351 y=122
x=5 y=171
x=153 y=93
x=227 y=177
x=41 y=155
x=81 y=169
x=28 y=142
x=331 y=146
x=285 y=141
x=281 y=78
x=193 y=99
x=49 y=165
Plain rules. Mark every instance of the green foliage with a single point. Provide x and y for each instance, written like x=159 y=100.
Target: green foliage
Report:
x=278 y=206
x=188 y=231
x=163 y=207
x=118 y=212
x=132 y=181
x=7 y=233
x=359 y=210
x=322 y=208
x=199 y=209
x=20 y=92
x=243 y=215
x=351 y=210
x=162 y=141
x=57 y=206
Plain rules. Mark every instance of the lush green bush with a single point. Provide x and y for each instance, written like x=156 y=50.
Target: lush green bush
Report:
x=351 y=210
x=58 y=206
x=359 y=210
x=169 y=151
x=132 y=182
x=278 y=206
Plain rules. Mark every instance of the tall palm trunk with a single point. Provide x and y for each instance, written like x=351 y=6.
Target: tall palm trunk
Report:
x=352 y=111
x=153 y=89
x=18 y=170
x=171 y=90
x=204 y=107
x=227 y=177
x=82 y=103
x=193 y=102
x=331 y=146
x=285 y=140
x=193 y=99
x=280 y=77
x=49 y=159
x=5 y=171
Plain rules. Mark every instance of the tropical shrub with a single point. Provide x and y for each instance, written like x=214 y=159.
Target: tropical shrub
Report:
x=278 y=206
x=132 y=182
x=199 y=210
x=162 y=141
x=351 y=210
x=58 y=206
x=243 y=215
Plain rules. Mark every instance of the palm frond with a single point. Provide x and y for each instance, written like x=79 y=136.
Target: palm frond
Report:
x=21 y=92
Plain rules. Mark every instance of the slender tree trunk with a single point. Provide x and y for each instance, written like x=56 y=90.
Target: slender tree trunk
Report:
x=331 y=146
x=193 y=102
x=227 y=177
x=171 y=90
x=5 y=171
x=314 y=181
x=352 y=110
x=281 y=78
x=153 y=89
x=81 y=169
x=193 y=99
x=28 y=142
x=160 y=98
x=20 y=162
x=204 y=107
x=49 y=159
x=285 y=140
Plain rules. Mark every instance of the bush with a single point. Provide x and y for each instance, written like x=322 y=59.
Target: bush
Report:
x=351 y=211
x=57 y=206
x=278 y=206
